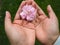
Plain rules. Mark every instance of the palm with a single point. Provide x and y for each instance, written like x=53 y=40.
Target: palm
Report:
x=22 y=34
x=47 y=28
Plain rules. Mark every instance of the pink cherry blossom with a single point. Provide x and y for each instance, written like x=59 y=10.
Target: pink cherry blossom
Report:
x=28 y=12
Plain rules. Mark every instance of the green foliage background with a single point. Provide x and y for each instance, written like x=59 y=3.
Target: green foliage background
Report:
x=12 y=6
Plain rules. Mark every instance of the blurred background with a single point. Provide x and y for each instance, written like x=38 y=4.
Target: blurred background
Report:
x=12 y=6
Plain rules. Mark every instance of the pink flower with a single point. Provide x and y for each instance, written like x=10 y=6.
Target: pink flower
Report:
x=28 y=12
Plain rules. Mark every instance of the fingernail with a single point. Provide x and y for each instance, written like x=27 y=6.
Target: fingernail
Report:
x=6 y=12
x=49 y=6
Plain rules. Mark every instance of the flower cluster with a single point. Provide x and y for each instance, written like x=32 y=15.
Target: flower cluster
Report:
x=28 y=12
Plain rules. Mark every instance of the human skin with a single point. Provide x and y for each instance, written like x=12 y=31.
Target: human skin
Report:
x=19 y=32
x=46 y=28
x=16 y=32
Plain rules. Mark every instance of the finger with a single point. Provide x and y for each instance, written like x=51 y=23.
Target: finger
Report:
x=29 y=25
x=40 y=11
x=17 y=17
x=33 y=4
x=29 y=0
x=51 y=12
x=18 y=22
x=8 y=19
x=8 y=23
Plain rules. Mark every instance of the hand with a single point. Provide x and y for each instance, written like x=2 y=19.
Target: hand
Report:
x=48 y=29
x=18 y=31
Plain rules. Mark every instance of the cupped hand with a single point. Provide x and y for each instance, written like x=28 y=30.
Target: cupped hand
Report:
x=48 y=29
x=22 y=32
x=19 y=31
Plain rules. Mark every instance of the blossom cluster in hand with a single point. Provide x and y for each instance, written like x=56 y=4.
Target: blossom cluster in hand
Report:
x=28 y=12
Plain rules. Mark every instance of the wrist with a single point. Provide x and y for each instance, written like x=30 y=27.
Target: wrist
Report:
x=56 y=39
x=48 y=43
x=18 y=44
x=21 y=43
x=52 y=40
x=57 y=42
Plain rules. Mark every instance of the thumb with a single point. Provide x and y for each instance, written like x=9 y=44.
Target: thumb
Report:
x=51 y=12
x=7 y=19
